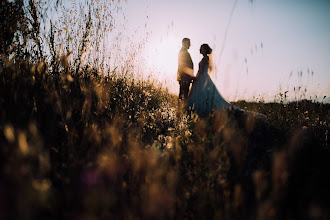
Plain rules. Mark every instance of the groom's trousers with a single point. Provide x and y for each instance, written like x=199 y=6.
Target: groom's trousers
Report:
x=184 y=89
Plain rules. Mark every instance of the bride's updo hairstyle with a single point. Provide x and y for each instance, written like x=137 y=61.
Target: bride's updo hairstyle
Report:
x=207 y=48
x=208 y=51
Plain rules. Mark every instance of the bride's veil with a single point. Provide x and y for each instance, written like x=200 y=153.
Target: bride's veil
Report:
x=211 y=69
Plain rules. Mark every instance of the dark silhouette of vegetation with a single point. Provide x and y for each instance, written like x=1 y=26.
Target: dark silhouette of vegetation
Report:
x=76 y=144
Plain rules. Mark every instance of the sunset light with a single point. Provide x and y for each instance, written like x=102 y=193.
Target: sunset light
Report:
x=162 y=56
x=256 y=46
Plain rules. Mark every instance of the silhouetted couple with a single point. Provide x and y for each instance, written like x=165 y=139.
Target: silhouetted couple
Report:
x=203 y=96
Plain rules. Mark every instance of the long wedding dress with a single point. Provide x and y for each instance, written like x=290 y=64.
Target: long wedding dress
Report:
x=204 y=97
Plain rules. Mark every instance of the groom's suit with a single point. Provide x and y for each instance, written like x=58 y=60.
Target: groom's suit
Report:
x=185 y=72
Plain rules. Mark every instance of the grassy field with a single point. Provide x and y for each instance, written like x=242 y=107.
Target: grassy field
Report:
x=77 y=143
x=111 y=147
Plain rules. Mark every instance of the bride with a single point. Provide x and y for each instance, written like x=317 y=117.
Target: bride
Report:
x=204 y=97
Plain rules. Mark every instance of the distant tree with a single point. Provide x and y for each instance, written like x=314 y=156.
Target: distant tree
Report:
x=11 y=17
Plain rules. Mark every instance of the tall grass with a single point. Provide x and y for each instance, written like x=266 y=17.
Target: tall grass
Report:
x=77 y=142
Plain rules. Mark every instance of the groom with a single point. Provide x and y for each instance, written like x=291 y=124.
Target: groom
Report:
x=185 y=69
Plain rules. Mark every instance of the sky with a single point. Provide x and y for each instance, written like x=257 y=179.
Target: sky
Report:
x=260 y=47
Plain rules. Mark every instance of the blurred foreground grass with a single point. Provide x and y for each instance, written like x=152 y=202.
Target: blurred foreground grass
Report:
x=89 y=146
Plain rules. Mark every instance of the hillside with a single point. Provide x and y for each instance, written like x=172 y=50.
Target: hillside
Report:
x=101 y=147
